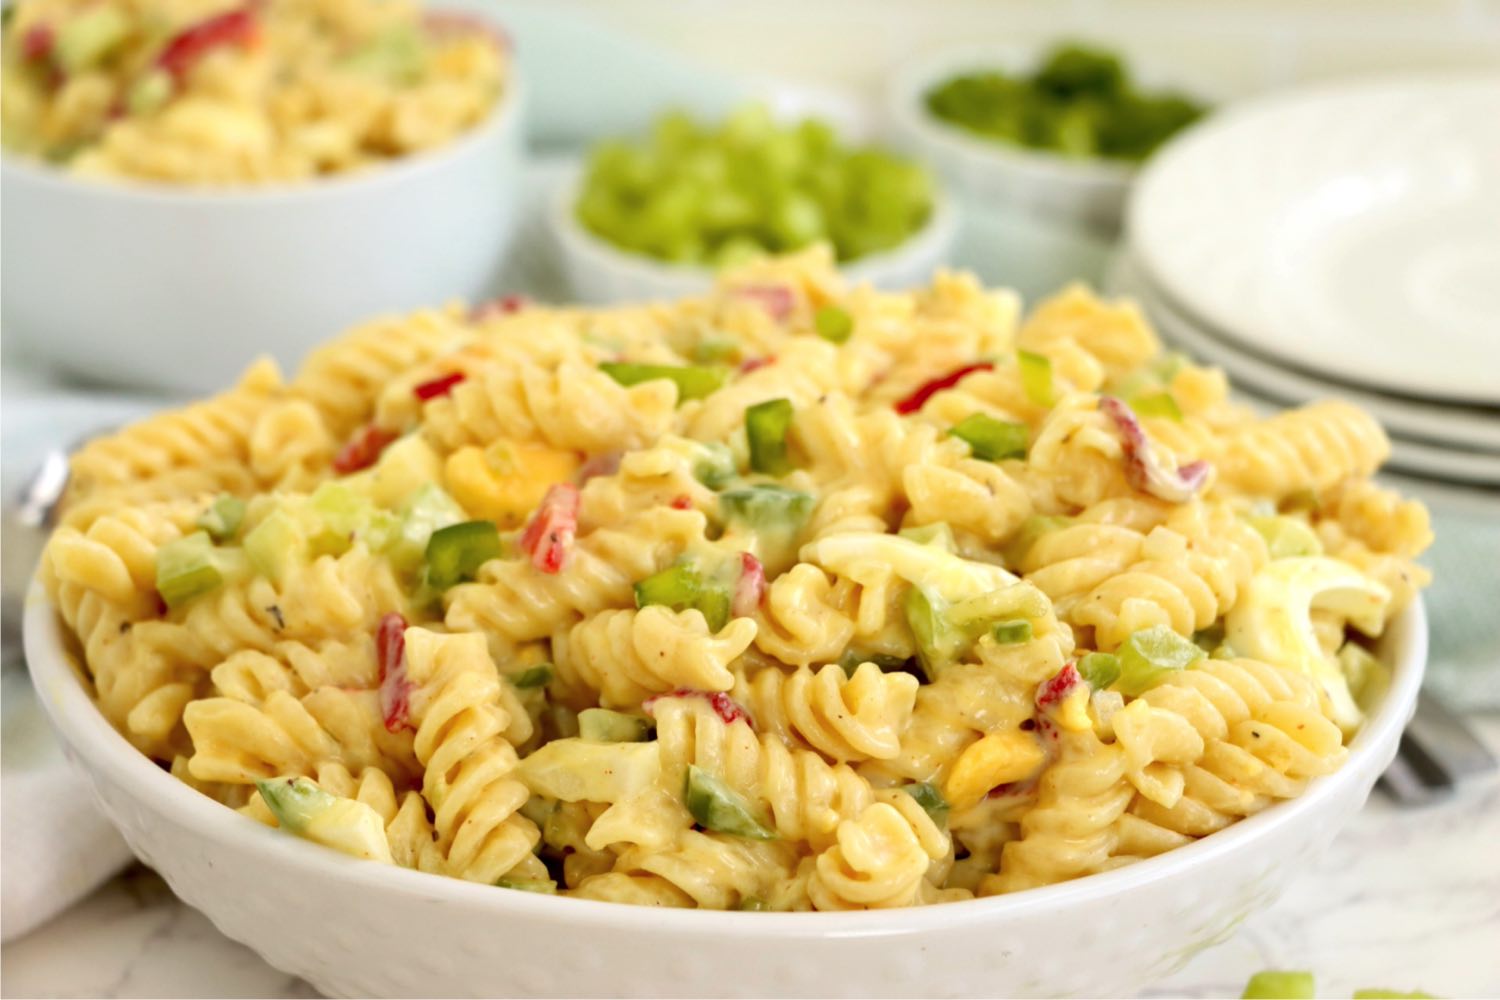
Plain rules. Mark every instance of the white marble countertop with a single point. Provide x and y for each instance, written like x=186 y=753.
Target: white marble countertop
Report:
x=1403 y=899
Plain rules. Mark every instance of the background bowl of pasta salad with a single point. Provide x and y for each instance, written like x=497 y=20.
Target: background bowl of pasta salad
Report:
x=352 y=927
x=189 y=185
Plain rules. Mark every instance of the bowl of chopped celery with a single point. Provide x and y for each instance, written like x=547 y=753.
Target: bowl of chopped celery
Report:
x=653 y=217
x=1060 y=133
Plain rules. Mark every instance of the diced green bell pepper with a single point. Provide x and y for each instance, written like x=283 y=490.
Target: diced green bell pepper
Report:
x=456 y=552
x=692 y=381
x=720 y=808
x=766 y=427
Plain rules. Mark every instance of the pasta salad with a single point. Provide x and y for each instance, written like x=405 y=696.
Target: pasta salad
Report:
x=792 y=596
x=208 y=92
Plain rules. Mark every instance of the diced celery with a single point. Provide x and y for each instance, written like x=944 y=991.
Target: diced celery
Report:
x=533 y=677
x=600 y=725
x=720 y=808
x=938 y=534
x=1150 y=654
x=456 y=552
x=1368 y=678
x=223 y=517
x=150 y=92
x=1099 y=670
x=1156 y=404
x=767 y=507
x=714 y=350
x=693 y=381
x=1010 y=632
x=930 y=799
x=715 y=468
x=834 y=324
x=1287 y=537
x=85 y=39
x=1036 y=377
x=347 y=825
x=766 y=426
x=395 y=55
x=275 y=545
x=545 y=886
x=186 y=568
x=1280 y=986
x=342 y=511
x=938 y=642
x=974 y=614
x=425 y=511
x=992 y=440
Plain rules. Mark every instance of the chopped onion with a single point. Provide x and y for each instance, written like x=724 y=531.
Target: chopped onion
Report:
x=1144 y=469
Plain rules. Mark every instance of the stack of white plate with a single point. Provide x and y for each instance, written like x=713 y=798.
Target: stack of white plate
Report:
x=1341 y=241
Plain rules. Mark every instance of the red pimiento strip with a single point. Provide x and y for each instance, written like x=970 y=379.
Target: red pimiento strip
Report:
x=548 y=539
x=1057 y=687
x=751 y=364
x=750 y=588
x=774 y=299
x=505 y=305
x=1143 y=468
x=724 y=706
x=37 y=42
x=363 y=449
x=395 y=688
x=233 y=27
x=438 y=386
x=682 y=502
x=914 y=402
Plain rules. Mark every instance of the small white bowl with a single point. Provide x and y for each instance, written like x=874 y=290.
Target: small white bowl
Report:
x=1088 y=192
x=358 y=928
x=600 y=273
x=178 y=288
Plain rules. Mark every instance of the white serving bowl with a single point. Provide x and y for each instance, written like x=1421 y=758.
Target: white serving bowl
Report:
x=600 y=273
x=179 y=288
x=358 y=928
x=1087 y=192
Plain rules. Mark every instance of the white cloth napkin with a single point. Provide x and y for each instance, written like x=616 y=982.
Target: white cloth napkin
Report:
x=55 y=844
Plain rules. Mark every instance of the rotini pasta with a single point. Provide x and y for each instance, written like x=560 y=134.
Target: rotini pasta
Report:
x=689 y=605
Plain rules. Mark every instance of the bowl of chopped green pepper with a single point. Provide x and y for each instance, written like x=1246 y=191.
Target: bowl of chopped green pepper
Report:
x=1061 y=134
x=655 y=216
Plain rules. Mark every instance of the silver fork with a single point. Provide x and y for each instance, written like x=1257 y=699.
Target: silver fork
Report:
x=1438 y=752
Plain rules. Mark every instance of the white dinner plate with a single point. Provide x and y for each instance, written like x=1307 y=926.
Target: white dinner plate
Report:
x=1352 y=230
x=1457 y=427
x=1415 y=458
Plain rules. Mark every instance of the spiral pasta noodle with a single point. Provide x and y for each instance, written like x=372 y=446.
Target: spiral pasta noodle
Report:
x=786 y=597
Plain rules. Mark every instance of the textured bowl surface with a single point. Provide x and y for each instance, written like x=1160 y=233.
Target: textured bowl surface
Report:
x=602 y=274
x=179 y=288
x=359 y=928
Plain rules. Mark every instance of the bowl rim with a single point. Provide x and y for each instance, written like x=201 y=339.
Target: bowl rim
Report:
x=503 y=114
x=905 y=104
x=86 y=733
x=577 y=239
